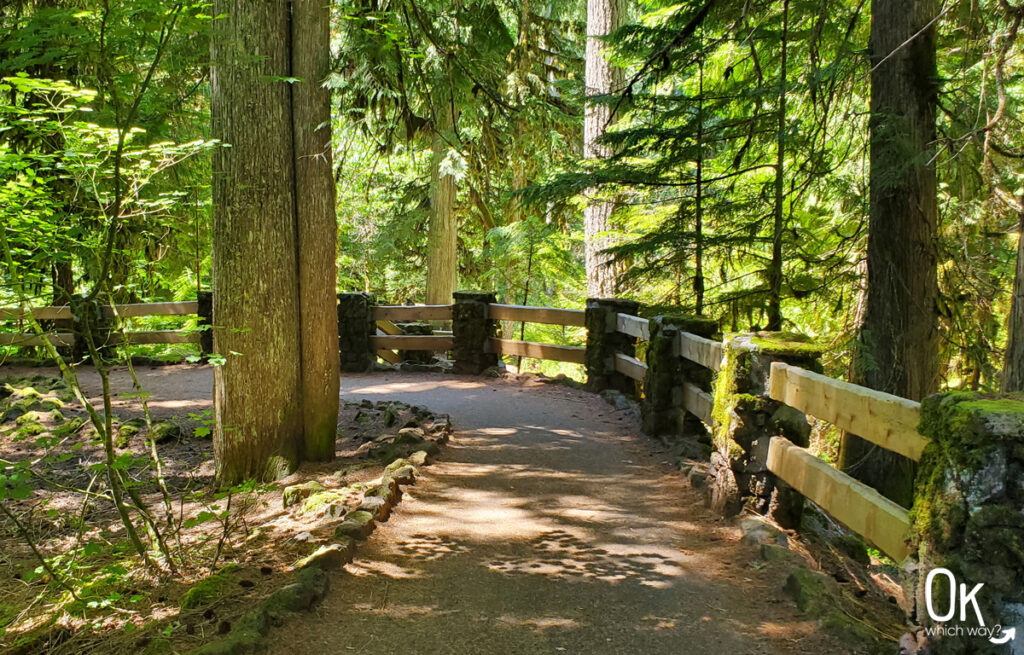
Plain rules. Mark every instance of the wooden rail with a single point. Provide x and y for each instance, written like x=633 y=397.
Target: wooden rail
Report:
x=703 y=351
x=183 y=308
x=27 y=340
x=432 y=342
x=630 y=367
x=412 y=312
x=572 y=354
x=634 y=326
x=856 y=505
x=549 y=315
x=881 y=418
x=699 y=403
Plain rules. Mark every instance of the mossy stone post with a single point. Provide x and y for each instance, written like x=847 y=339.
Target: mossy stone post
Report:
x=968 y=516
x=604 y=340
x=472 y=330
x=355 y=327
x=667 y=373
x=746 y=419
x=89 y=320
x=205 y=311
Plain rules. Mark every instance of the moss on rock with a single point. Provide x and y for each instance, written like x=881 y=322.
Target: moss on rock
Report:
x=210 y=588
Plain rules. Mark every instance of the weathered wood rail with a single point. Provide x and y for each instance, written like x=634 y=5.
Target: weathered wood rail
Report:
x=131 y=337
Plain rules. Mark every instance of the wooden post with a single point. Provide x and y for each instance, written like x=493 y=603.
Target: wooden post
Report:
x=355 y=327
x=472 y=329
x=746 y=418
x=664 y=411
x=204 y=301
x=604 y=341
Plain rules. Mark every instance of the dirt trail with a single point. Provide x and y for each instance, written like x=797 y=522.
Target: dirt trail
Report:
x=548 y=525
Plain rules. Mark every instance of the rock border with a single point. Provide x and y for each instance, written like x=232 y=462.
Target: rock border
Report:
x=310 y=581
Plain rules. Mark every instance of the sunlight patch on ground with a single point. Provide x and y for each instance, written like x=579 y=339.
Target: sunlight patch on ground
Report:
x=415 y=387
x=541 y=623
x=368 y=567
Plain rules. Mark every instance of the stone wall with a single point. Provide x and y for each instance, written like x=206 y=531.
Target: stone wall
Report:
x=663 y=411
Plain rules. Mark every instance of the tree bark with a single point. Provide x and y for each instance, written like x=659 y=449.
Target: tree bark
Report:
x=316 y=226
x=603 y=18
x=1013 y=364
x=779 y=211
x=442 y=235
x=257 y=391
x=897 y=349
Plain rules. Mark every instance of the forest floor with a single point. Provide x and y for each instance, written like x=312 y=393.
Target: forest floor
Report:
x=548 y=525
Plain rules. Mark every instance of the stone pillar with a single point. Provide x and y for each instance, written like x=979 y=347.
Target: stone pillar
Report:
x=745 y=421
x=355 y=327
x=603 y=341
x=89 y=319
x=416 y=356
x=968 y=515
x=663 y=410
x=205 y=311
x=472 y=329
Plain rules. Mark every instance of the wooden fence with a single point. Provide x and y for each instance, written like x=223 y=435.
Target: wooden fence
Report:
x=133 y=310
x=886 y=420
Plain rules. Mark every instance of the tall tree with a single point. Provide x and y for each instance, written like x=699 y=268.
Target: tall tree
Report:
x=897 y=349
x=316 y=225
x=604 y=17
x=442 y=231
x=1013 y=363
x=275 y=396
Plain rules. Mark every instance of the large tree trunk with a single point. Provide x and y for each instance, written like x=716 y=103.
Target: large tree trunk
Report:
x=1013 y=365
x=316 y=226
x=257 y=392
x=897 y=350
x=442 y=257
x=603 y=18
x=779 y=212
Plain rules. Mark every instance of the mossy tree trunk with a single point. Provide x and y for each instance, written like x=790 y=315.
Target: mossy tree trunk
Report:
x=897 y=350
x=316 y=226
x=1013 y=365
x=274 y=227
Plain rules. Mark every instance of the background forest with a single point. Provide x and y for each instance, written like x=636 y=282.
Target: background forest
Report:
x=739 y=167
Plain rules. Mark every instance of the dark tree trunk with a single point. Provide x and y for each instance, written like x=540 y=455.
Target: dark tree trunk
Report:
x=897 y=349
x=1013 y=365
x=316 y=226
x=257 y=392
x=779 y=211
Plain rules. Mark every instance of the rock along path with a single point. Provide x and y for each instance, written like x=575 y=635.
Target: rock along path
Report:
x=548 y=525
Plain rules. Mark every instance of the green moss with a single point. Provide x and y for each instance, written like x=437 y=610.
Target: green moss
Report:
x=30 y=417
x=786 y=343
x=209 y=589
x=29 y=430
x=735 y=366
x=72 y=426
x=319 y=501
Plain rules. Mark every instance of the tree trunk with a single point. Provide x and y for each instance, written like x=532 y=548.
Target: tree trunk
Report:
x=442 y=258
x=779 y=215
x=257 y=391
x=897 y=349
x=603 y=18
x=316 y=226
x=1013 y=365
